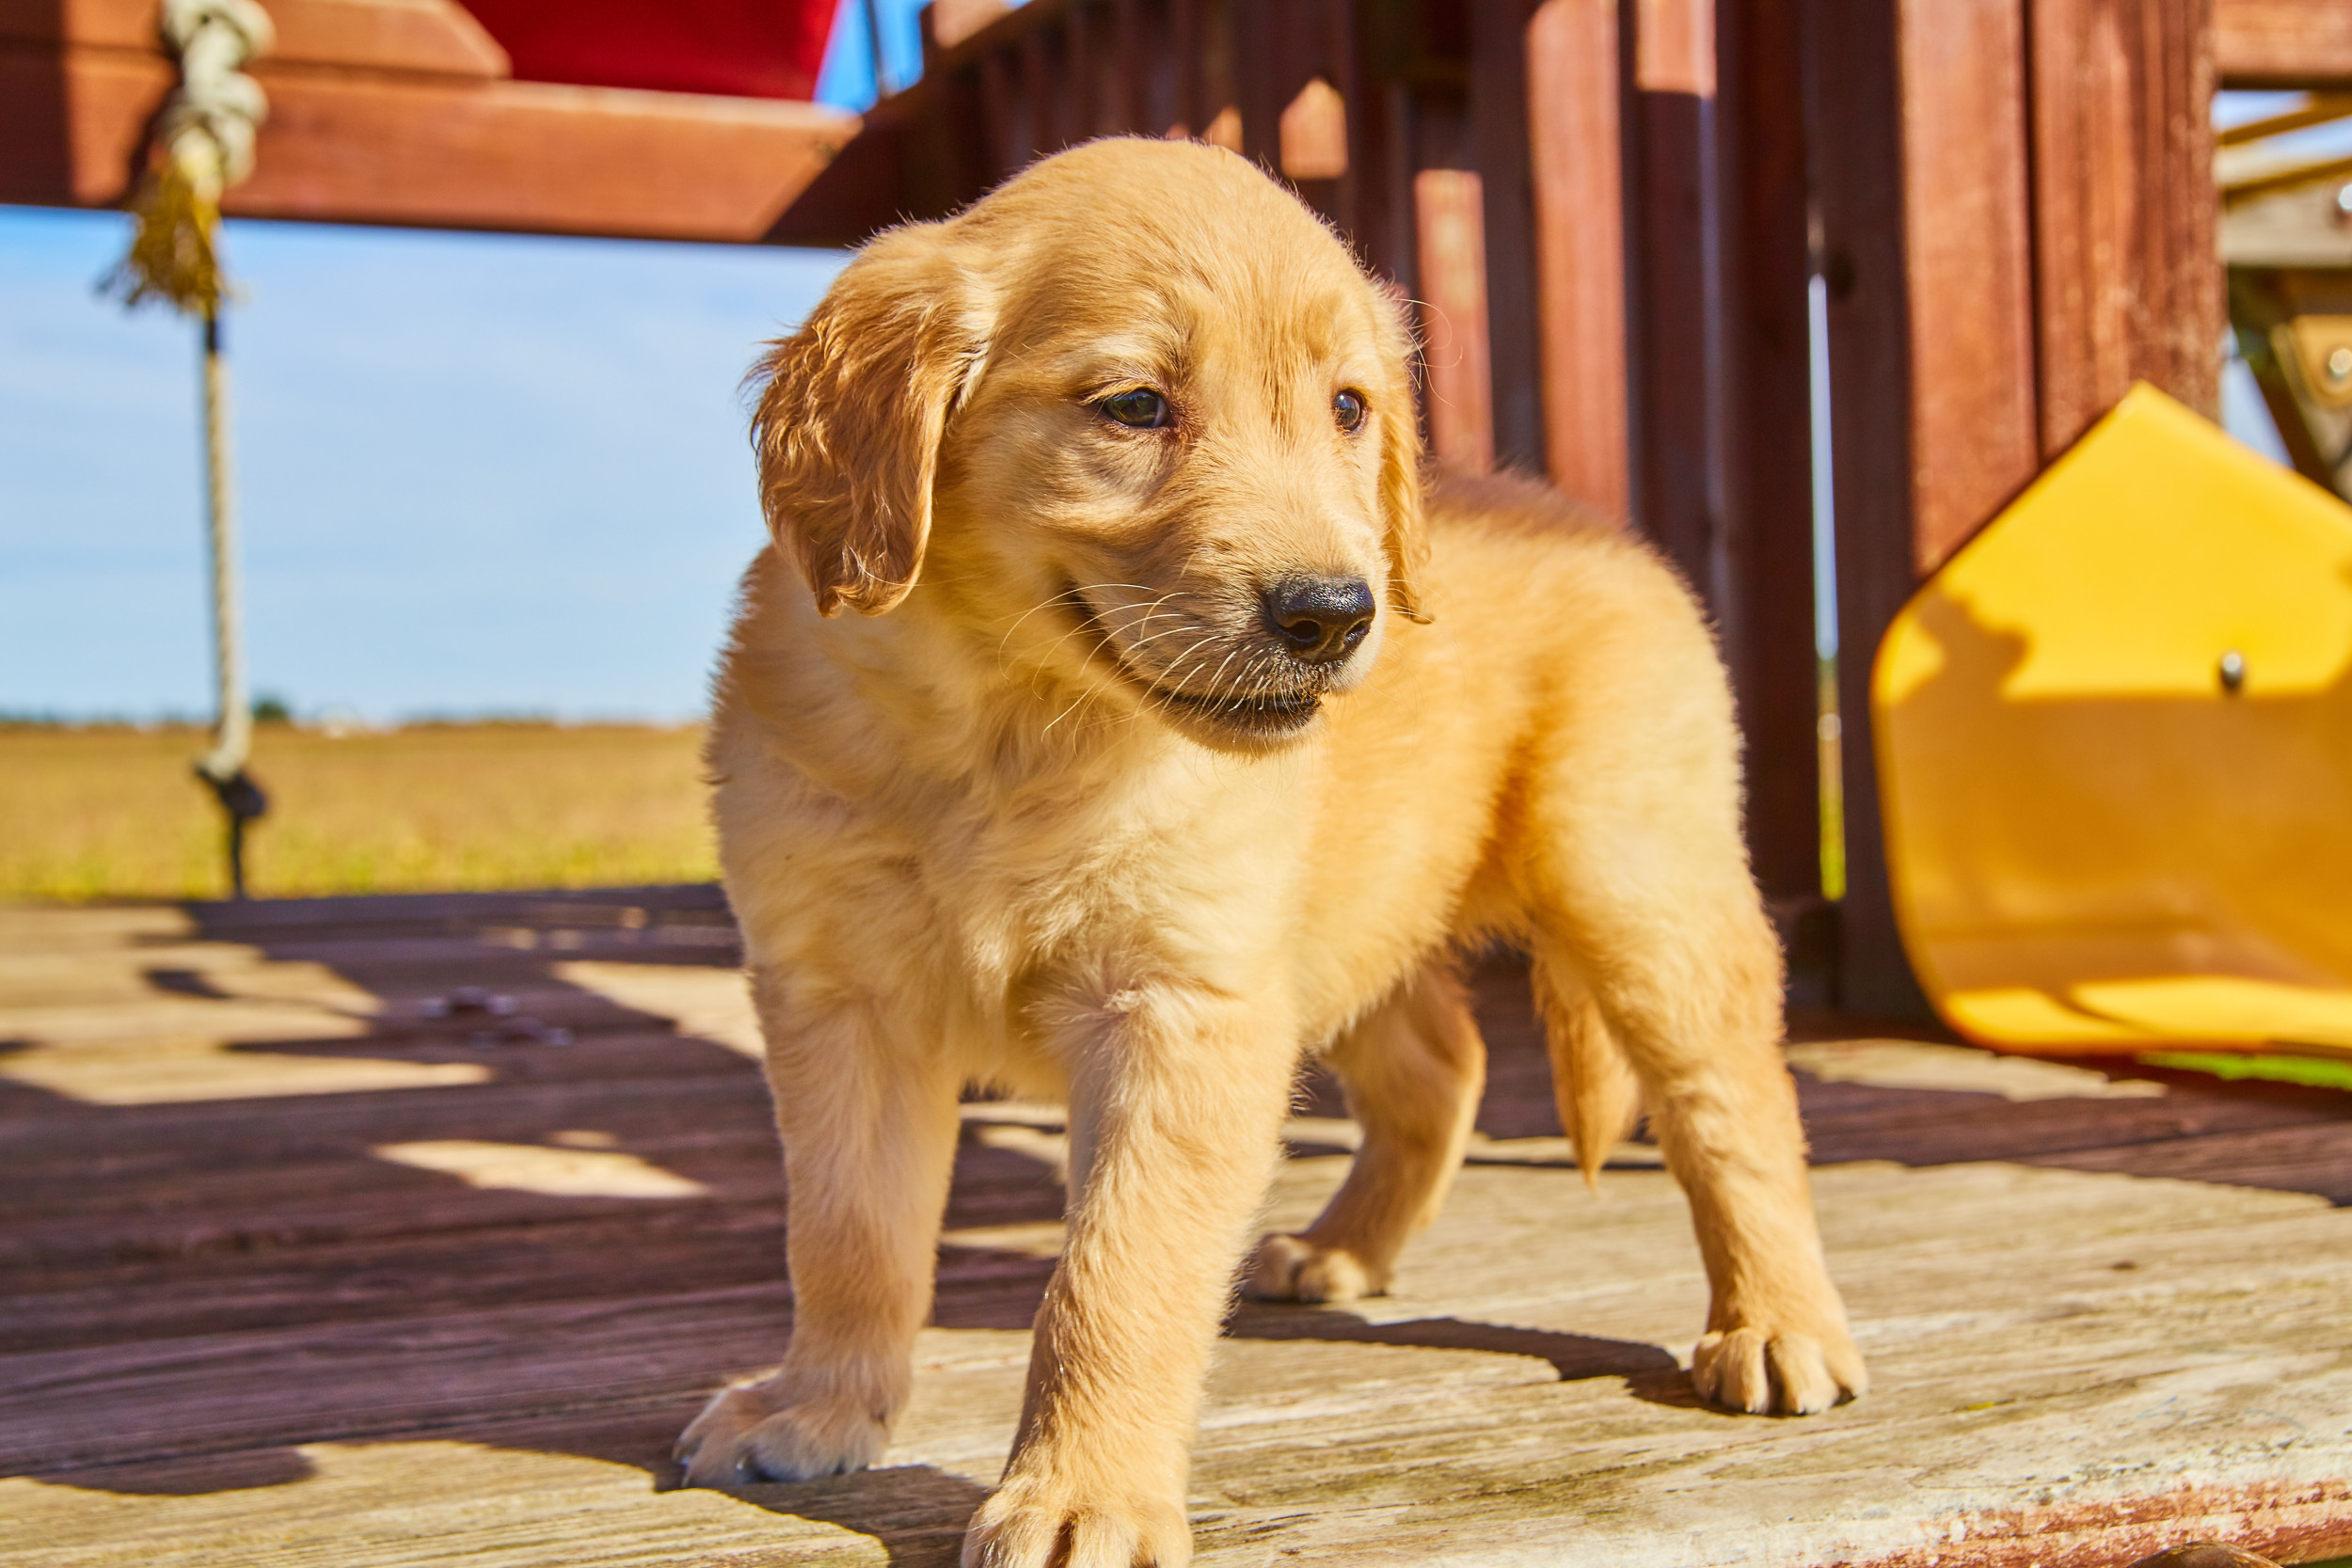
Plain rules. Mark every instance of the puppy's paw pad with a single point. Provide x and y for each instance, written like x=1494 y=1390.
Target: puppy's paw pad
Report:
x=749 y=1434
x=1291 y=1268
x=1032 y=1522
x=1778 y=1373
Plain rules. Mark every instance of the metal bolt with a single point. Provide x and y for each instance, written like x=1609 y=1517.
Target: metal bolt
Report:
x=2340 y=363
x=2233 y=672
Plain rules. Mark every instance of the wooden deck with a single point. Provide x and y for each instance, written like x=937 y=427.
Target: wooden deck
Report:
x=297 y=1271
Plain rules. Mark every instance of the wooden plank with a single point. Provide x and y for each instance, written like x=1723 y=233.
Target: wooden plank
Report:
x=1925 y=1128
x=1260 y=68
x=433 y=37
x=2125 y=212
x=1523 y=1376
x=566 y=1253
x=2283 y=43
x=1500 y=134
x=521 y=1109
x=1381 y=149
x=1968 y=247
x=1450 y=205
x=245 y=1334
x=1336 y=52
x=412 y=149
x=1766 y=622
x=1580 y=249
x=2312 y=1159
x=1673 y=204
x=1918 y=111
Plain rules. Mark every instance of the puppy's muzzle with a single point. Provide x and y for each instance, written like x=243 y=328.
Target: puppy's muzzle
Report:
x=1319 y=620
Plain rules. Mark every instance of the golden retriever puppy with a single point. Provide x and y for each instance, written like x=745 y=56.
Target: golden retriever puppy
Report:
x=1171 y=734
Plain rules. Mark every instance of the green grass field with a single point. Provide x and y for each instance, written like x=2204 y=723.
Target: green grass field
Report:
x=118 y=813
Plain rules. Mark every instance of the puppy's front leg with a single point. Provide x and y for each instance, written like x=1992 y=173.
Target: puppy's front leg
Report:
x=869 y=1121
x=1177 y=1098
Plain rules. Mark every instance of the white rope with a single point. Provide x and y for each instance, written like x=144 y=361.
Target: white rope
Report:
x=211 y=121
x=232 y=729
x=207 y=129
x=205 y=144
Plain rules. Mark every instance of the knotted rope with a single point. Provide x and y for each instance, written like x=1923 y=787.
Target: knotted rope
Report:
x=204 y=145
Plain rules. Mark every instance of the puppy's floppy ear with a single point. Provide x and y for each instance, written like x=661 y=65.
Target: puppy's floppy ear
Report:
x=852 y=412
x=1407 y=534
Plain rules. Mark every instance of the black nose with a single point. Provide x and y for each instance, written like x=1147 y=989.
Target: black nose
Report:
x=1319 y=620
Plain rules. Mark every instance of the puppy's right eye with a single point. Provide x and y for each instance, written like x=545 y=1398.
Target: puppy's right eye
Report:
x=1141 y=409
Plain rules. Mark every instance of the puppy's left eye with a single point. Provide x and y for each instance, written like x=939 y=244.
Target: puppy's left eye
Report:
x=1141 y=409
x=1348 y=409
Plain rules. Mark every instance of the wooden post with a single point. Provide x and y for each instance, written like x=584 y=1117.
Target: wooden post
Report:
x=2015 y=300
x=2283 y=43
x=1453 y=321
x=1500 y=139
x=1718 y=389
x=2125 y=207
x=1916 y=120
x=1764 y=352
x=1575 y=152
x=1671 y=205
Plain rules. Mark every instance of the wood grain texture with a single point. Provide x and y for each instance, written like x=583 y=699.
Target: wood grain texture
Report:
x=433 y=37
x=2283 y=43
x=1672 y=215
x=1458 y=373
x=1968 y=249
x=1499 y=130
x=2125 y=212
x=1767 y=626
x=1573 y=136
x=235 y=1330
x=1854 y=127
x=440 y=150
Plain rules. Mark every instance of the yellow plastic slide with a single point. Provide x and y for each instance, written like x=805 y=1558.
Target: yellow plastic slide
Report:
x=2115 y=749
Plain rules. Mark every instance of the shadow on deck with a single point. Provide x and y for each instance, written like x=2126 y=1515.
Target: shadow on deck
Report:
x=412 y=1229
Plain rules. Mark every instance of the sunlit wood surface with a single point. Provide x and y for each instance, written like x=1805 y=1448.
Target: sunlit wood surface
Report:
x=295 y=1272
x=403 y=112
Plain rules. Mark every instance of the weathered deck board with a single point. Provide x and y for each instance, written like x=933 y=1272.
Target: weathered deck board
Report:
x=240 y=1322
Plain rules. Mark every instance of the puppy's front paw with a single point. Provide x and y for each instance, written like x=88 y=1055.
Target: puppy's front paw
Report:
x=1037 y=1519
x=1291 y=1268
x=1779 y=1372
x=754 y=1433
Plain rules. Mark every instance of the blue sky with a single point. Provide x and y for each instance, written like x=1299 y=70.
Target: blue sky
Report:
x=478 y=473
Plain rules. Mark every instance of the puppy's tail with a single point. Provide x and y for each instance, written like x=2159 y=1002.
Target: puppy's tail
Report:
x=1592 y=1082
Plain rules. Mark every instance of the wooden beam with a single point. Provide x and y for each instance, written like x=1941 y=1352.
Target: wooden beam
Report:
x=433 y=37
x=1718 y=389
x=1580 y=249
x=1672 y=203
x=1499 y=130
x=2126 y=210
x=433 y=150
x=1454 y=320
x=2283 y=43
x=1380 y=148
x=1764 y=350
x=1915 y=114
x=1968 y=243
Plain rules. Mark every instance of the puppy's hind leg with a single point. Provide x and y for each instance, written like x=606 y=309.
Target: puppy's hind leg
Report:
x=1692 y=994
x=870 y=1133
x=1413 y=1070
x=1636 y=888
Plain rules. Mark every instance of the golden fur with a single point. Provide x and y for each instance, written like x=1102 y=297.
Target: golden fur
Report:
x=1054 y=812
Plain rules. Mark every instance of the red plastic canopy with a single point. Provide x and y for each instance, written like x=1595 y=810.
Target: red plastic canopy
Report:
x=740 y=48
